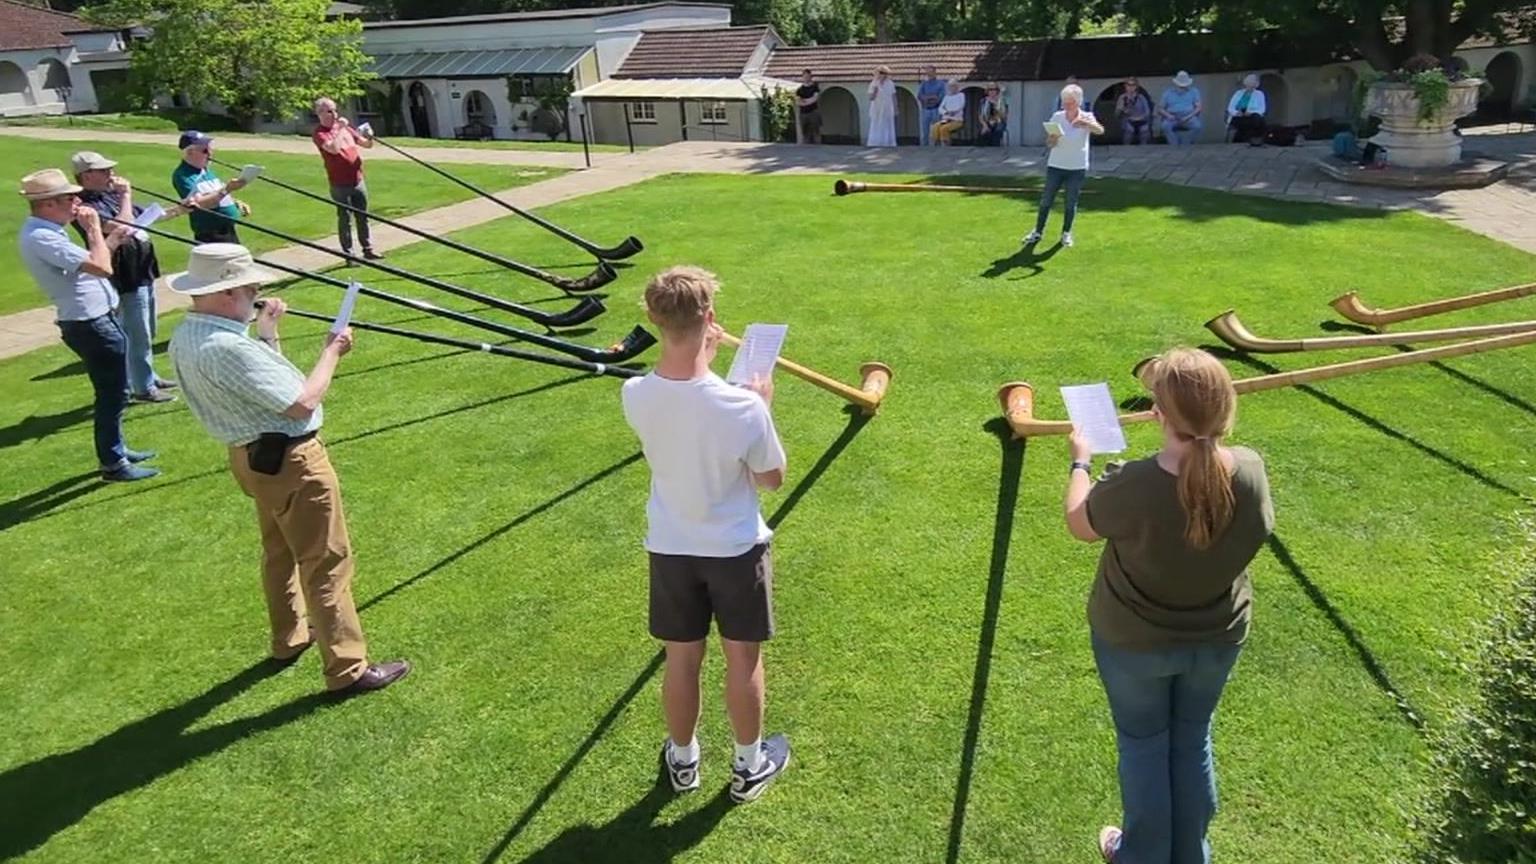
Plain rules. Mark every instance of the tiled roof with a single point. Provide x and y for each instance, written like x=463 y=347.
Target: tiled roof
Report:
x=967 y=61
x=704 y=52
x=23 y=27
x=540 y=14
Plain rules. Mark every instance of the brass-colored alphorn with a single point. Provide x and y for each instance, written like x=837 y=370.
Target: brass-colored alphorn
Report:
x=874 y=379
x=1350 y=307
x=1230 y=330
x=849 y=187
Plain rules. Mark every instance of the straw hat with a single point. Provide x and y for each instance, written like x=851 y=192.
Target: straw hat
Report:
x=214 y=267
x=1182 y=79
x=45 y=184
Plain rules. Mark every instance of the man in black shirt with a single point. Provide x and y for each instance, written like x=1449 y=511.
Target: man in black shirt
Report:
x=134 y=271
x=808 y=94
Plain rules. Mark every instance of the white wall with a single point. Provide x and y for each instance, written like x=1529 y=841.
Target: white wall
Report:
x=43 y=100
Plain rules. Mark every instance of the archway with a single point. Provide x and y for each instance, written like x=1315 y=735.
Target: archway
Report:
x=970 y=133
x=1104 y=110
x=1334 y=100
x=908 y=118
x=1503 y=77
x=419 y=101
x=1277 y=97
x=15 y=90
x=479 y=110
x=54 y=75
x=840 y=117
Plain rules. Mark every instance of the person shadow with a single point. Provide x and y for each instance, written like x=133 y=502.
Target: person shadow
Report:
x=48 y=795
x=1028 y=257
x=632 y=837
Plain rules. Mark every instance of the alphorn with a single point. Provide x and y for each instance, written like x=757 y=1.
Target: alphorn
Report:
x=849 y=187
x=1230 y=330
x=875 y=378
x=1018 y=402
x=1350 y=307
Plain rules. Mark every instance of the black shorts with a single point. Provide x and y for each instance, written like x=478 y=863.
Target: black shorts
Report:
x=223 y=234
x=687 y=590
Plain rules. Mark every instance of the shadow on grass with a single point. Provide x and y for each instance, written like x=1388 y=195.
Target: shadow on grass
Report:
x=37 y=426
x=1027 y=256
x=460 y=409
x=53 y=793
x=395 y=364
x=34 y=504
x=631 y=837
x=857 y=420
x=1002 y=535
x=603 y=725
x=1368 y=659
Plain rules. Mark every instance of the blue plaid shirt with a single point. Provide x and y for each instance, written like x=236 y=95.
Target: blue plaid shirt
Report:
x=236 y=386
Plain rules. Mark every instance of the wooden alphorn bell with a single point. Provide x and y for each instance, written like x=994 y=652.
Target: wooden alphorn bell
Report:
x=875 y=378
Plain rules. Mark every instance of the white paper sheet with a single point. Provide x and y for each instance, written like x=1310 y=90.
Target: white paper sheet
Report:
x=250 y=172
x=1092 y=409
x=366 y=129
x=756 y=355
x=1052 y=128
x=344 y=314
x=150 y=216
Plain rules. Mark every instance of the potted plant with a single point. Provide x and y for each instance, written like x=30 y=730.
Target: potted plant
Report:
x=1418 y=105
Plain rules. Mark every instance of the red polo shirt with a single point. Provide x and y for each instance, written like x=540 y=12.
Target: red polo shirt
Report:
x=343 y=168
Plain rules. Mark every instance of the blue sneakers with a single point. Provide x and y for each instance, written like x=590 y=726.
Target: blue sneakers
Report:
x=684 y=778
x=750 y=785
x=127 y=473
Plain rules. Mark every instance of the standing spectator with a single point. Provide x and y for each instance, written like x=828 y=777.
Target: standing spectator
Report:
x=929 y=94
x=1135 y=112
x=339 y=145
x=951 y=114
x=882 y=109
x=1245 y=112
x=267 y=414
x=710 y=446
x=1067 y=166
x=134 y=271
x=808 y=96
x=1171 y=604
x=201 y=190
x=1180 y=110
x=993 y=116
x=75 y=280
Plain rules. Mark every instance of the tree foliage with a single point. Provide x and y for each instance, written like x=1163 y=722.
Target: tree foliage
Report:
x=257 y=58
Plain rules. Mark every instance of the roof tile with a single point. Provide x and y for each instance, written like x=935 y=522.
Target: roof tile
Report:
x=702 y=52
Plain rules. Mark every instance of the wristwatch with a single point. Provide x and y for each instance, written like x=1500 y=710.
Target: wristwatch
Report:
x=1087 y=469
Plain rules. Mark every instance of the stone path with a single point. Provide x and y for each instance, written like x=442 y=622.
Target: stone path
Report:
x=1505 y=211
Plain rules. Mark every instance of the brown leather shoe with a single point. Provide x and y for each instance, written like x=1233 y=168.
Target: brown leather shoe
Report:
x=376 y=677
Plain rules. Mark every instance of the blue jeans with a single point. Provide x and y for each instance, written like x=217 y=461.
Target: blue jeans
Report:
x=1162 y=702
x=137 y=310
x=1055 y=178
x=101 y=345
x=927 y=117
x=1182 y=137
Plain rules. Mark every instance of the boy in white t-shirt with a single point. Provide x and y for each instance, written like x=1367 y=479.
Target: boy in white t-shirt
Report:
x=710 y=446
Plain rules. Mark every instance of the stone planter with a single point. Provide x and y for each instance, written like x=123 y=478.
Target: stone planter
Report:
x=1414 y=143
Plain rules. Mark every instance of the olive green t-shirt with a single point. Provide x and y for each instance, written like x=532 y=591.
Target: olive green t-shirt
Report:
x=1153 y=589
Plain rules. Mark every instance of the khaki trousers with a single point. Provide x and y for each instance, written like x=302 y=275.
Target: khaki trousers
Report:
x=306 y=559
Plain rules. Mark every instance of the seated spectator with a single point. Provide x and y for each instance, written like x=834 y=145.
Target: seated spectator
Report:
x=1135 y=111
x=1245 y=113
x=951 y=114
x=1179 y=110
x=994 y=117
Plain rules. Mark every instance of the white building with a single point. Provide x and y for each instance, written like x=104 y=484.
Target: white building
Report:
x=53 y=63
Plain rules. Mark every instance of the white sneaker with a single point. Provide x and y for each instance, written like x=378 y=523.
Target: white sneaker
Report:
x=1066 y=239
x=1031 y=238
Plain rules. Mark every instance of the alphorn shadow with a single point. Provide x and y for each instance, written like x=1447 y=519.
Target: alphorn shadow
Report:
x=35 y=427
x=395 y=364
x=34 y=504
x=857 y=420
x=1002 y=536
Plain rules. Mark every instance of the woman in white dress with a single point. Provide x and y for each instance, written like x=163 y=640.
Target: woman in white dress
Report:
x=882 y=110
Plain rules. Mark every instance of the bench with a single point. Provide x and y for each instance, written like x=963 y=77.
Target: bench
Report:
x=473 y=132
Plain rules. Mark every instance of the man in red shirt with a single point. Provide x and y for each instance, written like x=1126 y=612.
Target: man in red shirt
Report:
x=338 y=143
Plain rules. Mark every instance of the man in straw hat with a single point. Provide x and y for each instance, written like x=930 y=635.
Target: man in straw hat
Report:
x=75 y=280
x=134 y=271
x=267 y=412
x=1180 y=110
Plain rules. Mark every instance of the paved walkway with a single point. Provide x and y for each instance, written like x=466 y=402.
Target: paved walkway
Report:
x=1505 y=211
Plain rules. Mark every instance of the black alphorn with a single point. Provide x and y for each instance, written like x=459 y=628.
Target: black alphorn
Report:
x=630 y=246
x=585 y=309
x=632 y=346
x=485 y=347
x=590 y=282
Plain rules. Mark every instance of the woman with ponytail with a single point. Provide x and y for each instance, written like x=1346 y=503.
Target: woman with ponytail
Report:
x=1170 y=605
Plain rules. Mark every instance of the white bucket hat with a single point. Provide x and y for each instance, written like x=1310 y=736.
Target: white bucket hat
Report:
x=45 y=184
x=215 y=267
x=1182 y=79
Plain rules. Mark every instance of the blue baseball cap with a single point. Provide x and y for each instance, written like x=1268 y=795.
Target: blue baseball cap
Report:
x=193 y=138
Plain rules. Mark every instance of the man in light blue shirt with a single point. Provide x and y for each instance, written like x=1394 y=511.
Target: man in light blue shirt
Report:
x=267 y=413
x=929 y=94
x=1179 y=110
x=75 y=280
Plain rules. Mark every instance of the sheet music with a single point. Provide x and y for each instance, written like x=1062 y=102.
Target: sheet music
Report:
x=366 y=129
x=250 y=172
x=756 y=355
x=151 y=214
x=344 y=314
x=1092 y=410
x=1052 y=128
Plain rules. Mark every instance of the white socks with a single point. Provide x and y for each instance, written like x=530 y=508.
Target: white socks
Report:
x=749 y=757
x=683 y=755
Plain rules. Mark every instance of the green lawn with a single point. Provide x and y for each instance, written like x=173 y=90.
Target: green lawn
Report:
x=497 y=510
x=396 y=189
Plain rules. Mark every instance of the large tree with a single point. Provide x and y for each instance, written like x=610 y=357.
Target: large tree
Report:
x=257 y=58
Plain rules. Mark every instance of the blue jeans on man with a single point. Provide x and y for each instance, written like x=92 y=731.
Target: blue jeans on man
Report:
x=1162 y=702
x=101 y=344
x=927 y=117
x=136 y=309
x=1182 y=133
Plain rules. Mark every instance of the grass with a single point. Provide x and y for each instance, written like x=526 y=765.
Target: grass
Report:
x=396 y=189
x=497 y=511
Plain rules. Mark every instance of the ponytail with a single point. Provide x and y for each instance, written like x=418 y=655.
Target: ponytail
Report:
x=1205 y=491
x=1195 y=394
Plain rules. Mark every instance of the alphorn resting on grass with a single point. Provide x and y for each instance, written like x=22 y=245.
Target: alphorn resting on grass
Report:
x=1017 y=398
x=1350 y=307
x=849 y=187
x=1230 y=330
x=875 y=378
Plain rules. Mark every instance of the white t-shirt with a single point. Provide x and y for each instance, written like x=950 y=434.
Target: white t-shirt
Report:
x=953 y=107
x=1071 y=152
x=703 y=439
